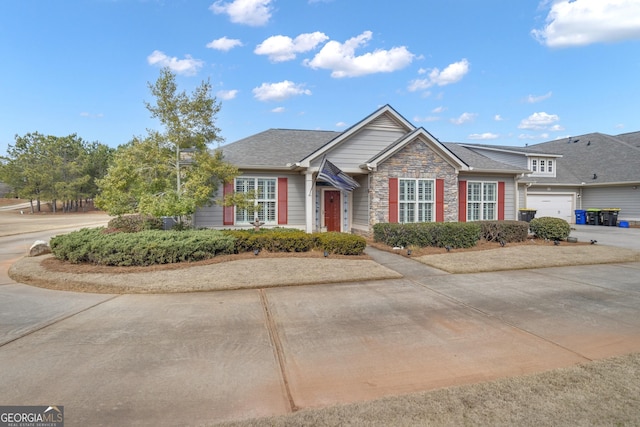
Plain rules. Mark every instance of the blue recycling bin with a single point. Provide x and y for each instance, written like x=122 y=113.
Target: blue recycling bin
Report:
x=581 y=216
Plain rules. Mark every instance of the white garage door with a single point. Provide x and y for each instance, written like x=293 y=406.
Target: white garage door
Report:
x=554 y=205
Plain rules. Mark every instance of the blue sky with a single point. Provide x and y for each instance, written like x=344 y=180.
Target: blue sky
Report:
x=500 y=72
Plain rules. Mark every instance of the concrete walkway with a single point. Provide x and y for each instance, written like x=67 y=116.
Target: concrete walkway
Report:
x=201 y=358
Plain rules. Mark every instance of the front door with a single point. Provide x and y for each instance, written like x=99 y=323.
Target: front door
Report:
x=332 y=210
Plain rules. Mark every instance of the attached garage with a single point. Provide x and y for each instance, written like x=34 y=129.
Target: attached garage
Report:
x=553 y=205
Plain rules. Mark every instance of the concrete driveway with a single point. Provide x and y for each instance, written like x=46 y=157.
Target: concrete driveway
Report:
x=200 y=358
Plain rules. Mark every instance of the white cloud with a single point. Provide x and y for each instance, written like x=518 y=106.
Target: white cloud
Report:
x=532 y=99
x=453 y=73
x=464 y=118
x=224 y=44
x=249 y=12
x=188 y=66
x=484 y=136
x=579 y=23
x=226 y=95
x=279 y=91
x=438 y=110
x=341 y=59
x=283 y=48
x=528 y=136
x=539 y=120
x=91 y=115
x=278 y=110
x=426 y=119
x=341 y=125
x=498 y=118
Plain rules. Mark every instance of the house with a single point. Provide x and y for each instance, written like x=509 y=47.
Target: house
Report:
x=588 y=171
x=403 y=174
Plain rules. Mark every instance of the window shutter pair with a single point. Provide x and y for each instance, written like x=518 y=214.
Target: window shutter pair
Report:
x=393 y=200
x=462 y=201
x=283 y=201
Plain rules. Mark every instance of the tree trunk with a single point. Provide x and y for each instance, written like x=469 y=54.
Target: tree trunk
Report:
x=31 y=203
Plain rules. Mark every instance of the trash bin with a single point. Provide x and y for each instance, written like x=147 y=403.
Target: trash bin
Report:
x=610 y=217
x=527 y=214
x=593 y=217
x=581 y=216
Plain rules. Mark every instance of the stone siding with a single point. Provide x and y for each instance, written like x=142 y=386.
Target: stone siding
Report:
x=416 y=160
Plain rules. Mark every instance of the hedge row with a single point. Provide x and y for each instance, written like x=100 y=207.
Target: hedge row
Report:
x=294 y=240
x=452 y=234
x=149 y=247
x=504 y=231
x=423 y=234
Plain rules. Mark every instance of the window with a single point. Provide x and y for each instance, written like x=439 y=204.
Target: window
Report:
x=416 y=200
x=541 y=166
x=482 y=201
x=265 y=197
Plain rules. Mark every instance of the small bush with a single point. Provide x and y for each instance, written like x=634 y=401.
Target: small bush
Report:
x=547 y=227
x=504 y=231
x=423 y=234
x=135 y=223
x=340 y=243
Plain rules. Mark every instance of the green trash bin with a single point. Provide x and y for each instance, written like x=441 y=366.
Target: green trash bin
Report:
x=594 y=216
x=527 y=214
x=610 y=216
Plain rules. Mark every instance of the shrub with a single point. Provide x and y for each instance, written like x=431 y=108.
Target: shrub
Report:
x=272 y=240
x=140 y=249
x=505 y=231
x=438 y=234
x=135 y=223
x=550 y=228
x=340 y=243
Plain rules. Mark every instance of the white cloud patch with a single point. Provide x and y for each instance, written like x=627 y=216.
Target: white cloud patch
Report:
x=255 y=13
x=498 y=118
x=532 y=99
x=484 y=136
x=188 y=66
x=427 y=119
x=227 y=95
x=453 y=73
x=342 y=60
x=284 y=48
x=539 y=120
x=464 y=118
x=91 y=115
x=438 y=110
x=224 y=44
x=341 y=125
x=279 y=91
x=278 y=110
x=580 y=23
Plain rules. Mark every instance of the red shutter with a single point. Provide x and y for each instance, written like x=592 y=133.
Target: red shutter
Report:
x=283 y=199
x=227 y=216
x=393 y=199
x=462 y=201
x=439 y=200
x=501 y=200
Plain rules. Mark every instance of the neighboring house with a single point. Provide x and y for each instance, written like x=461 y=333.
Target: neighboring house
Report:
x=404 y=175
x=588 y=171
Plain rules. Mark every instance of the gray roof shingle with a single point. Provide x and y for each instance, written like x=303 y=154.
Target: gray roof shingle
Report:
x=609 y=158
x=275 y=147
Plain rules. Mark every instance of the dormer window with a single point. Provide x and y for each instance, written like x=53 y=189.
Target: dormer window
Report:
x=541 y=166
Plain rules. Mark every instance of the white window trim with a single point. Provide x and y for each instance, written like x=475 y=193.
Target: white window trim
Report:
x=482 y=202
x=258 y=200
x=430 y=203
x=546 y=160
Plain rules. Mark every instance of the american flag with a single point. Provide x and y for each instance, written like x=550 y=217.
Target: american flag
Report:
x=332 y=174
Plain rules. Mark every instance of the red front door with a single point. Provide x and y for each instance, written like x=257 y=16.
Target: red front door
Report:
x=332 y=210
